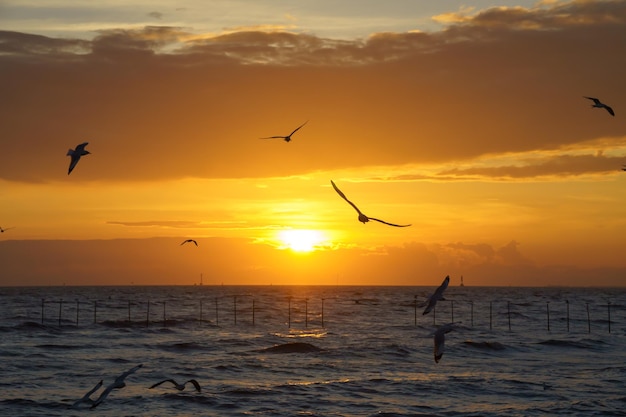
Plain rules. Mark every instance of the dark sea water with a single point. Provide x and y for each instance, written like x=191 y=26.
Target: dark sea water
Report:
x=313 y=351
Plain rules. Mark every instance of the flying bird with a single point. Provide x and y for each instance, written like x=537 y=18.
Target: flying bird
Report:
x=440 y=340
x=437 y=295
x=178 y=386
x=597 y=103
x=288 y=137
x=76 y=154
x=4 y=230
x=86 y=398
x=117 y=384
x=188 y=241
x=362 y=217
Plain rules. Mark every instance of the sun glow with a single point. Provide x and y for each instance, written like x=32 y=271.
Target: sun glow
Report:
x=301 y=240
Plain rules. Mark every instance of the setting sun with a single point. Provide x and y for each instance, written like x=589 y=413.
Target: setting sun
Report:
x=301 y=240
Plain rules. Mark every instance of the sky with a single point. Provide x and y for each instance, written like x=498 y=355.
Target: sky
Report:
x=466 y=120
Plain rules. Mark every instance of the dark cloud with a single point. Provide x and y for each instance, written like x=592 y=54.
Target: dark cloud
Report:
x=555 y=166
x=162 y=102
x=159 y=261
x=156 y=15
x=171 y=223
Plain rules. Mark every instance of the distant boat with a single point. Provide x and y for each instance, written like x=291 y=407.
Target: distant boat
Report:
x=462 y=285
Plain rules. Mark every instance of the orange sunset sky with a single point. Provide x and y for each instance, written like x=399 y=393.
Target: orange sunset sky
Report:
x=468 y=122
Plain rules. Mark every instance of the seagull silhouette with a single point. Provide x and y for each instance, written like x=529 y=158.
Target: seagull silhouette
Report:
x=437 y=295
x=597 y=103
x=440 y=340
x=4 y=230
x=117 y=384
x=189 y=240
x=362 y=217
x=178 y=386
x=288 y=137
x=76 y=154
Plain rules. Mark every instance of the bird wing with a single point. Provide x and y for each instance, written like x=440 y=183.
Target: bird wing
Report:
x=431 y=303
x=595 y=100
x=298 y=128
x=387 y=223
x=437 y=295
x=443 y=286
x=610 y=110
x=125 y=374
x=274 y=137
x=73 y=162
x=195 y=243
x=195 y=384
x=440 y=341
x=165 y=380
x=80 y=148
x=86 y=398
x=103 y=396
x=342 y=195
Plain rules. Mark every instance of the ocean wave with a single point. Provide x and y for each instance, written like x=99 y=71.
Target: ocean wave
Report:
x=578 y=344
x=485 y=345
x=293 y=347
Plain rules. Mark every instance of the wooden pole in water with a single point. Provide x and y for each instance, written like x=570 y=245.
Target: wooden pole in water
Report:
x=289 y=314
x=217 y=316
x=548 y=313
x=60 y=310
x=508 y=307
x=609 y=311
x=452 y=310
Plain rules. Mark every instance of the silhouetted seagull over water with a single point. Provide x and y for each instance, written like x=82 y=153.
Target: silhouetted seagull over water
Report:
x=440 y=340
x=437 y=295
x=4 y=230
x=362 y=217
x=178 y=386
x=189 y=241
x=288 y=137
x=117 y=384
x=597 y=103
x=76 y=154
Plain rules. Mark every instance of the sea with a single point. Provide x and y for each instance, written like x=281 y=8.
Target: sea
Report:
x=312 y=351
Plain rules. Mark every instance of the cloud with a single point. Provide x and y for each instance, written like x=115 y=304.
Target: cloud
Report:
x=159 y=261
x=156 y=15
x=169 y=224
x=166 y=103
